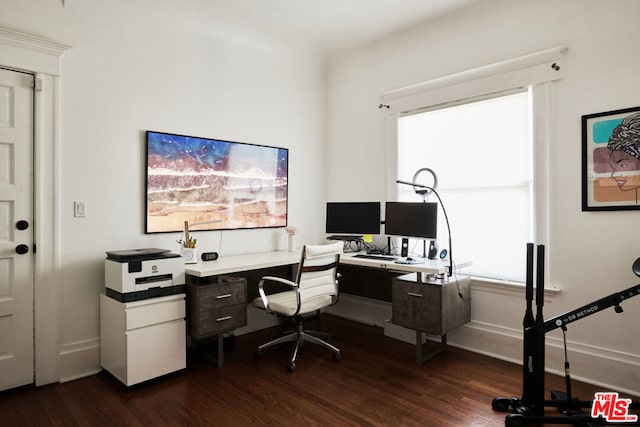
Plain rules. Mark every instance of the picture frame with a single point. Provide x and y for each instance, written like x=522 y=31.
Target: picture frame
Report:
x=213 y=183
x=611 y=160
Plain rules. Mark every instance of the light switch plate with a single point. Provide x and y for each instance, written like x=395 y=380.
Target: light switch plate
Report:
x=79 y=209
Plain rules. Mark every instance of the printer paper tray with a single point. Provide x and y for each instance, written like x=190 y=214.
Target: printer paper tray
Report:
x=145 y=294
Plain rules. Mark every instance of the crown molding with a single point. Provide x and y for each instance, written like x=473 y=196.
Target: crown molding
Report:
x=32 y=42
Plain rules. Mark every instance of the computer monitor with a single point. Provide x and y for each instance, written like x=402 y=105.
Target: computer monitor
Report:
x=353 y=218
x=411 y=219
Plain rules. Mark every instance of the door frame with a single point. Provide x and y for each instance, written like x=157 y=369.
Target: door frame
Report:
x=41 y=56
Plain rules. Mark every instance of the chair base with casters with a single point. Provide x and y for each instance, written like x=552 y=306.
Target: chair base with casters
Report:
x=300 y=337
x=314 y=288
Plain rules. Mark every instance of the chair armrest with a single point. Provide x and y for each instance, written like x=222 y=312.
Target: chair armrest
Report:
x=336 y=297
x=288 y=282
x=267 y=279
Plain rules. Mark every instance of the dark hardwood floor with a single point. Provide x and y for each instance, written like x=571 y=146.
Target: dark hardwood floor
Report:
x=377 y=383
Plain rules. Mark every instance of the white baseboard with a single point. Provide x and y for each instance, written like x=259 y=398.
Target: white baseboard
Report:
x=403 y=334
x=257 y=319
x=601 y=367
x=79 y=360
x=362 y=310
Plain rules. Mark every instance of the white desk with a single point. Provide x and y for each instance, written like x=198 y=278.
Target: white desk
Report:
x=236 y=263
x=430 y=266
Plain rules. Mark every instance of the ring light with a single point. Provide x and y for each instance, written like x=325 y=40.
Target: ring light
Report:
x=422 y=190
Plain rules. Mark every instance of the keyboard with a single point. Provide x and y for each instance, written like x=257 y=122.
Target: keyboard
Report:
x=378 y=257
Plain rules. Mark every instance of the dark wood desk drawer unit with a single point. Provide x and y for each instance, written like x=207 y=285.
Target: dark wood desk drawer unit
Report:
x=215 y=308
x=433 y=306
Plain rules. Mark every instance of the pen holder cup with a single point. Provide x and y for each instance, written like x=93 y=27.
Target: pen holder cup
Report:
x=190 y=255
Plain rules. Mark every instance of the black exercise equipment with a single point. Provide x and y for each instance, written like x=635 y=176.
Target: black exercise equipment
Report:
x=530 y=408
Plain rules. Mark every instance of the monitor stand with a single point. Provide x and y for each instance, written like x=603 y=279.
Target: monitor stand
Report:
x=346 y=238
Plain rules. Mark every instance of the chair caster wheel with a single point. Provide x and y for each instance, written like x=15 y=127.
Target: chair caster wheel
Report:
x=336 y=357
x=291 y=367
x=514 y=420
x=257 y=353
x=500 y=404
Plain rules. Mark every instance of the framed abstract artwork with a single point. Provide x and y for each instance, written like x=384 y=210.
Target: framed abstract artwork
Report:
x=611 y=160
x=221 y=185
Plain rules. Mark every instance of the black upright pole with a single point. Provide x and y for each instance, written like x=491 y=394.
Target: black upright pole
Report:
x=528 y=331
x=537 y=397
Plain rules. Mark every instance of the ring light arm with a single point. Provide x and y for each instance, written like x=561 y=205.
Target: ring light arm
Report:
x=433 y=190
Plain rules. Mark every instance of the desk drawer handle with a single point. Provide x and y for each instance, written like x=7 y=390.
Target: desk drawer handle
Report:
x=222 y=319
x=223 y=296
x=412 y=294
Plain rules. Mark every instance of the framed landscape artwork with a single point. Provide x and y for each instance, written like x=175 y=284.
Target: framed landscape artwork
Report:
x=222 y=184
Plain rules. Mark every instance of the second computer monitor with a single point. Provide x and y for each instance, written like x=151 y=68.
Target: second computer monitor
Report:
x=411 y=219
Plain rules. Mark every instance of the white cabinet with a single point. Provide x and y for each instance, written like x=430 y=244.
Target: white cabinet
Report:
x=144 y=339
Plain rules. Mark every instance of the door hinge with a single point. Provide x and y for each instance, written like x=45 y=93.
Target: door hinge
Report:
x=37 y=84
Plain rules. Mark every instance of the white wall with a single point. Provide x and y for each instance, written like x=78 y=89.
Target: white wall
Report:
x=188 y=67
x=590 y=254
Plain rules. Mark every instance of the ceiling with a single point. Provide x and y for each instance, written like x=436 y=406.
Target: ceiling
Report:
x=335 y=24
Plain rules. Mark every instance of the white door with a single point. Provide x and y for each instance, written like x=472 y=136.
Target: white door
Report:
x=16 y=229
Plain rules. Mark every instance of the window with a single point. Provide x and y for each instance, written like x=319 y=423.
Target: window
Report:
x=485 y=133
x=481 y=152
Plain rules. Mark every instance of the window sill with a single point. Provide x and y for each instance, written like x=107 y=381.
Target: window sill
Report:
x=504 y=287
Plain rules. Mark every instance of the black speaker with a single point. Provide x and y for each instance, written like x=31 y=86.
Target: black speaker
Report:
x=433 y=249
x=209 y=256
x=404 y=249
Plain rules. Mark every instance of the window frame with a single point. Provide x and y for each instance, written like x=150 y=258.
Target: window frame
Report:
x=536 y=72
x=450 y=192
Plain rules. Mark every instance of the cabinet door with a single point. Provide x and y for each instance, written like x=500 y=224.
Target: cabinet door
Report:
x=155 y=350
x=418 y=306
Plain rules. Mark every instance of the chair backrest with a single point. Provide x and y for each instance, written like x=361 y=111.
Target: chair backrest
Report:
x=318 y=271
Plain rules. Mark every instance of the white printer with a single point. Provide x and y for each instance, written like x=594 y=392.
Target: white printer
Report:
x=137 y=274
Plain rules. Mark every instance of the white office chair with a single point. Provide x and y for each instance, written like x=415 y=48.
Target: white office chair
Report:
x=315 y=287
